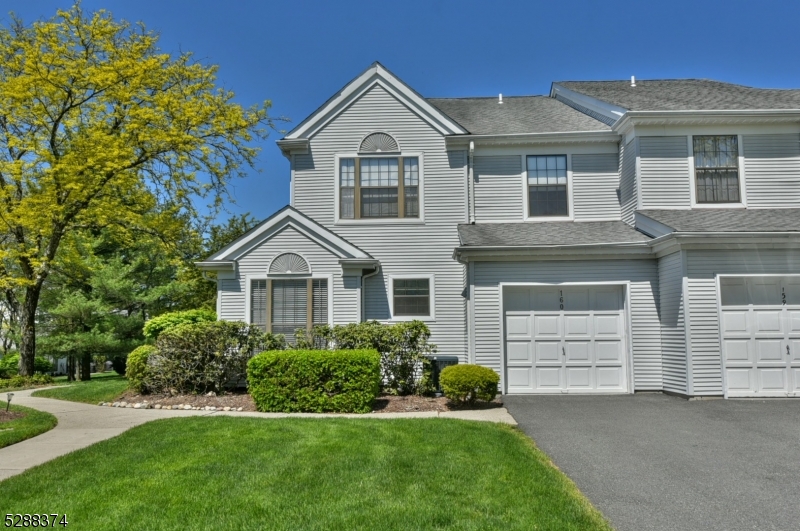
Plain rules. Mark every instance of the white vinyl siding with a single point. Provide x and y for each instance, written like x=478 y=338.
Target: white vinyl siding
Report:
x=702 y=268
x=231 y=303
x=498 y=190
x=405 y=248
x=673 y=329
x=772 y=170
x=645 y=331
x=627 y=180
x=595 y=181
x=664 y=172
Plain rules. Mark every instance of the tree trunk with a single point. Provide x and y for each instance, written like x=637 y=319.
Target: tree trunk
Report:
x=27 y=330
x=85 y=368
x=70 y=368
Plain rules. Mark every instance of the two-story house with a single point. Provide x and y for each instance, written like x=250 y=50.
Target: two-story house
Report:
x=609 y=237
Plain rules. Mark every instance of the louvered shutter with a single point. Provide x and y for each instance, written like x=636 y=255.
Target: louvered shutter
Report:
x=258 y=303
x=320 y=301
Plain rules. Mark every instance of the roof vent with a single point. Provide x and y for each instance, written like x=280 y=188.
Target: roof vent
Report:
x=500 y=99
x=633 y=81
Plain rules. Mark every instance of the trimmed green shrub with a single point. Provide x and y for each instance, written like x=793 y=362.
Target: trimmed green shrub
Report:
x=42 y=365
x=9 y=365
x=137 y=368
x=404 y=350
x=467 y=383
x=343 y=381
x=156 y=325
x=119 y=363
x=207 y=356
x=23 y=382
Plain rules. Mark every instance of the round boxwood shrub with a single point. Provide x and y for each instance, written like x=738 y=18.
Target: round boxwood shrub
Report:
x=466 y=383
x=136 y=370
x=119 y=363
x=42 y=365
x=156 y=325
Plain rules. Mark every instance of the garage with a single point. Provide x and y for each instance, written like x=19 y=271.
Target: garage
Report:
x=760 y=333
x=565 y=339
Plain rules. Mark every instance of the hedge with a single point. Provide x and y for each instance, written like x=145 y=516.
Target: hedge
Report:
x=343 y=381
x=156 y=325
x=136 y=368
x=467 y=383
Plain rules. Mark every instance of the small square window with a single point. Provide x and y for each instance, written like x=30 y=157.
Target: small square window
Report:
x=412 y=297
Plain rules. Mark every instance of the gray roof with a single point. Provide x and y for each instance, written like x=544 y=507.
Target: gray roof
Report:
x=728 y=219
x=685 y=94
x=548 y=233
x=517 y=114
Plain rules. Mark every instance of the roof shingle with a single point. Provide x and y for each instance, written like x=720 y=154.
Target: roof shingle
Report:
x=516 y=115
x=728 y=219
x=685 y=95
x=548 y=234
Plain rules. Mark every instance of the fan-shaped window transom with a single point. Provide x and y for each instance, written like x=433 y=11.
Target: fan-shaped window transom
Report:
x=289 y=264
x=379 y=143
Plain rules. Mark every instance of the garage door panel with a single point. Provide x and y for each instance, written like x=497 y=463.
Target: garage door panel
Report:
x=548 y=352
x=520 y=379
x=519 y=352
x=795 y=380
x=579 y=378
x=768 y=322
x=578 y=352
x=549 y=378
x=610 y=378
x=794 y=352
x=576 y=325
x=740 y=380
x=764 y=291
x=576 y=299
x=793 y=322
x=518 y=326
x=545 y=326
x=735 y=322
x=772 y=380
x=607 y=299
x=791 y=287
x=769 y=351
x=518 y=300
x=738 y=351
x=546 y=300
x=606 y=352
x=608 y=325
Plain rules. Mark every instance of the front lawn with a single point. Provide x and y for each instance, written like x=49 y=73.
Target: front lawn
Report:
x=103 y=387
x=32 y=424
x=243 y=473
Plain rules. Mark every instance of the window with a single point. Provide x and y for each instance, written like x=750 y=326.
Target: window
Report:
x=716 y=169
x=547 y=186
x=281 y=306
x=379 y=187
x=412 y=297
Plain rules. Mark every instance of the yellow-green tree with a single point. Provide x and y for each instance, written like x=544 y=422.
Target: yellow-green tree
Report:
x=98 y=125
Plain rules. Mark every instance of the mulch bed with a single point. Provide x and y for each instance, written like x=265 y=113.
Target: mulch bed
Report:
x=383 y=404
x=10 y=415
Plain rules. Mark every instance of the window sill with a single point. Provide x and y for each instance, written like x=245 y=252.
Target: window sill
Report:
x=545 y=219
x=407 y=318
x=719 y=205
x=380 y=221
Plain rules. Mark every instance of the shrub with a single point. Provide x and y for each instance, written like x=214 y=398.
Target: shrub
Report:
x=156 y=325
x=345 y=381
x=119 y=363
x=137 y=367
x=42 y=365
x=9 y=365
x=404 y=350
x=206 y=356
x=467 y=383
x=22 y=382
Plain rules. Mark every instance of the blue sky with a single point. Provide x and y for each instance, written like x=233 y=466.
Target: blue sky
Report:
x=298 y=53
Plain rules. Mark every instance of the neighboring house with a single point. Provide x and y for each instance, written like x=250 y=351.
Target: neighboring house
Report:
x=611 y=237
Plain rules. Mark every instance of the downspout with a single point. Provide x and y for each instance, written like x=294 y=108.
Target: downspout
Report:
x=364 y=290
x=471 y=183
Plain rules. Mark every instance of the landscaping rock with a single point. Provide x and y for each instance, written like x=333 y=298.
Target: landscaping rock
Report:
x=157 y=406
x=187 y=407
x=238 y=409
x=226 y=408
x=123 y=404
x=137 y=406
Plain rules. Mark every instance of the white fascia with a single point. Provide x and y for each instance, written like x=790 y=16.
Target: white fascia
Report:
x=375 y=74
x=571 y=137
x=719 y=117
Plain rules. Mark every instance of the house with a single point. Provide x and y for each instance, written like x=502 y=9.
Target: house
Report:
x=609 y=237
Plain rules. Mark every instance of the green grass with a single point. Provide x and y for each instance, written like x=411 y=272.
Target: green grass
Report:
x=242 y=473
x=32 y=424
x=103 y=387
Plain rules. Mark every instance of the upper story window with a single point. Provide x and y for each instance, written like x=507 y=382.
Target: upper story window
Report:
x=716 y=169
x=378 y=187
x=547 y=186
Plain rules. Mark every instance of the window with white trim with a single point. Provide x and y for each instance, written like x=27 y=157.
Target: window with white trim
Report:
x=284 y=305
x=379 y=187
x=716 y=169
x=547 y=186
x=411 y=297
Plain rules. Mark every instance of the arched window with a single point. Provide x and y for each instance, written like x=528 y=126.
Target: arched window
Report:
x=289 y=264
x=379 y=143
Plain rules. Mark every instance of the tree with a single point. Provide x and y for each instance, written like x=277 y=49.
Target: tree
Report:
x=98 y=126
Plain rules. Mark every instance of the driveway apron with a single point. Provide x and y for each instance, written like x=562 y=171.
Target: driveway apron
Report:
x=657 y=462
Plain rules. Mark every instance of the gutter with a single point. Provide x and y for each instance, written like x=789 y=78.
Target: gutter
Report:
x=364 y=290
x=456 y=141
x=471 y=183
x=463 y=253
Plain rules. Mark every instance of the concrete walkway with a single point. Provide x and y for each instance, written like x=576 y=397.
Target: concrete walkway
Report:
x=81 y=425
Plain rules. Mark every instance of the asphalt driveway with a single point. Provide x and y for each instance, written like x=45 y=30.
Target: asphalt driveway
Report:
x=656 y=462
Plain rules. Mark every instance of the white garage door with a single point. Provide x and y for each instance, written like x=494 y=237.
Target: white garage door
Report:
x=761 y=335
x=565 y=339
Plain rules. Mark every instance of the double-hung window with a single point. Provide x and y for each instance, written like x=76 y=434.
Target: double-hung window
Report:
x=547 y=186
x=282 y=306
x=411 y=297
x=716 y=169
x=379 y=187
